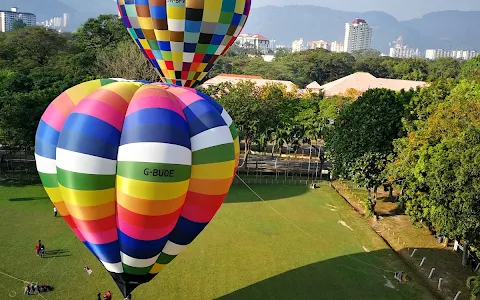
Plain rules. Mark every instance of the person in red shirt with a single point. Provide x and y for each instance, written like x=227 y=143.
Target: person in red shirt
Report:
x=38 y=246
x=108 y=296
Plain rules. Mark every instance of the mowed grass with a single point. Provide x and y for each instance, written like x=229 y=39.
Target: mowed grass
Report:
x=248 y=251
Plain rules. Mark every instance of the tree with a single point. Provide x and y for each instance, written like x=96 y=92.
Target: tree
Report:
x=452 y=177
x=363 y=136
x=125 y=61
x=471 y=69
x=20 y=114
x=102 y=33
x=257 y=111
x=443 y=68
x=32 y=46
x=438 y=162
x=18 y=24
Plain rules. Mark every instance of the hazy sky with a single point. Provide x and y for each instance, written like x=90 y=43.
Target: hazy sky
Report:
x=402 y=9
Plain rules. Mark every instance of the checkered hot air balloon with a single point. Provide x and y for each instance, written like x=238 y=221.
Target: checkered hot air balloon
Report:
x=137 y=170
x=183 y=39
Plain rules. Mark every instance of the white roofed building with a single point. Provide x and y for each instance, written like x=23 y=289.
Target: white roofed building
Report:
x=362 y=82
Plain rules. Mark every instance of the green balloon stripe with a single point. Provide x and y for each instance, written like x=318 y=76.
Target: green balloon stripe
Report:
x=233 y=131
x=214 y=154
x=85 y=182
x=104 y=82
x=153 y=172
x=49 y=180
x=164 y=259
x=136 y=271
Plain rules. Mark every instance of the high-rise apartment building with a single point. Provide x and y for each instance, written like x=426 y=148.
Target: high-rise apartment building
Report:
x=458 y=54
x=256 y=42
x=337 y=47
x=7 y=17
x=297 y=45
x=358 y=36
x=318 y=45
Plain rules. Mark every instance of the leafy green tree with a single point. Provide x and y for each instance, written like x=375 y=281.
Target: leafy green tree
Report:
x=101 y=33
x=411 y=69
x=32 y=46
x=443 y=68
x=437 y=163
x=373 y=65
x=471 y=69
x=363 y=136
x=256 y=110
x=125 y=61
x=20 y=114
x=18 y=24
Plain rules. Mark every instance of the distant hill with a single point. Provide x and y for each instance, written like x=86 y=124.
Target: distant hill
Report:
x=292 y=22
x=455 y=29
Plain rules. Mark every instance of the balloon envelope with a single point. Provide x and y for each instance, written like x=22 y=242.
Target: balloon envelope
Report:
x=136 y=170
x=183 y=39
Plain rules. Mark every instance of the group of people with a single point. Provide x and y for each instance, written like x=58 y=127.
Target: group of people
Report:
x=34 y=288
x=40 y=249
x=107 y=296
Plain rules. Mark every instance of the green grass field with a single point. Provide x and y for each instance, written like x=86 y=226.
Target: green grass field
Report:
x=247 y=252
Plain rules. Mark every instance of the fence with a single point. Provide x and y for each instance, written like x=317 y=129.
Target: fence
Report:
x=433 y=270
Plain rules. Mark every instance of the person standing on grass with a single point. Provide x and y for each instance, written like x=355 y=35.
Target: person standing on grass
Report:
x=42 y=251
x=37 y=247
x=55 y=211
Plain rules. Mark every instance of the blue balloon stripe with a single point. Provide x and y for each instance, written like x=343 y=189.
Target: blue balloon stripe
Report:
x=214 y=103
x=140 y=249
x=47 y=133
x=92 y=126
x=45 y=149
x=159 y=133
x=186 y=231
x=205 y=122
x=197 y=109
x=155 y=116
x=86 y=144
x=109 y=253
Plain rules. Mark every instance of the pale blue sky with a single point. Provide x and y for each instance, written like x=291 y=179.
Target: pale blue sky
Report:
x=402 y=9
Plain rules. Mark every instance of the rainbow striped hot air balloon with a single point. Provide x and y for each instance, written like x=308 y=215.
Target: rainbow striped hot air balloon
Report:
x=136 y=170
x=183 y=39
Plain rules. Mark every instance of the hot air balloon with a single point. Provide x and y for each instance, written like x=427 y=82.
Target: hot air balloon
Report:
x=137 y=170
x=183 y=39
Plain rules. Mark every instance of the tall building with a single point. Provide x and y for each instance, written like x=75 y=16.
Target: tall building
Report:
x=399 y=50
x=297 y=45
x=256 y=42
x=404 y=52
x=321 y=44
x=358 y=36
x=337 y=47
x=7 y=17
x=458 y=54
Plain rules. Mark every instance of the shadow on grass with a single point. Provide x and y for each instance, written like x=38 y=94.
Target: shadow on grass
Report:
x=56 y=253
x=19 y=183
x=363 y=276
x=27 y=199
x=239 y=193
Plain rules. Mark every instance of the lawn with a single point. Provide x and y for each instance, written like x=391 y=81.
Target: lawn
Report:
x=248 y=251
